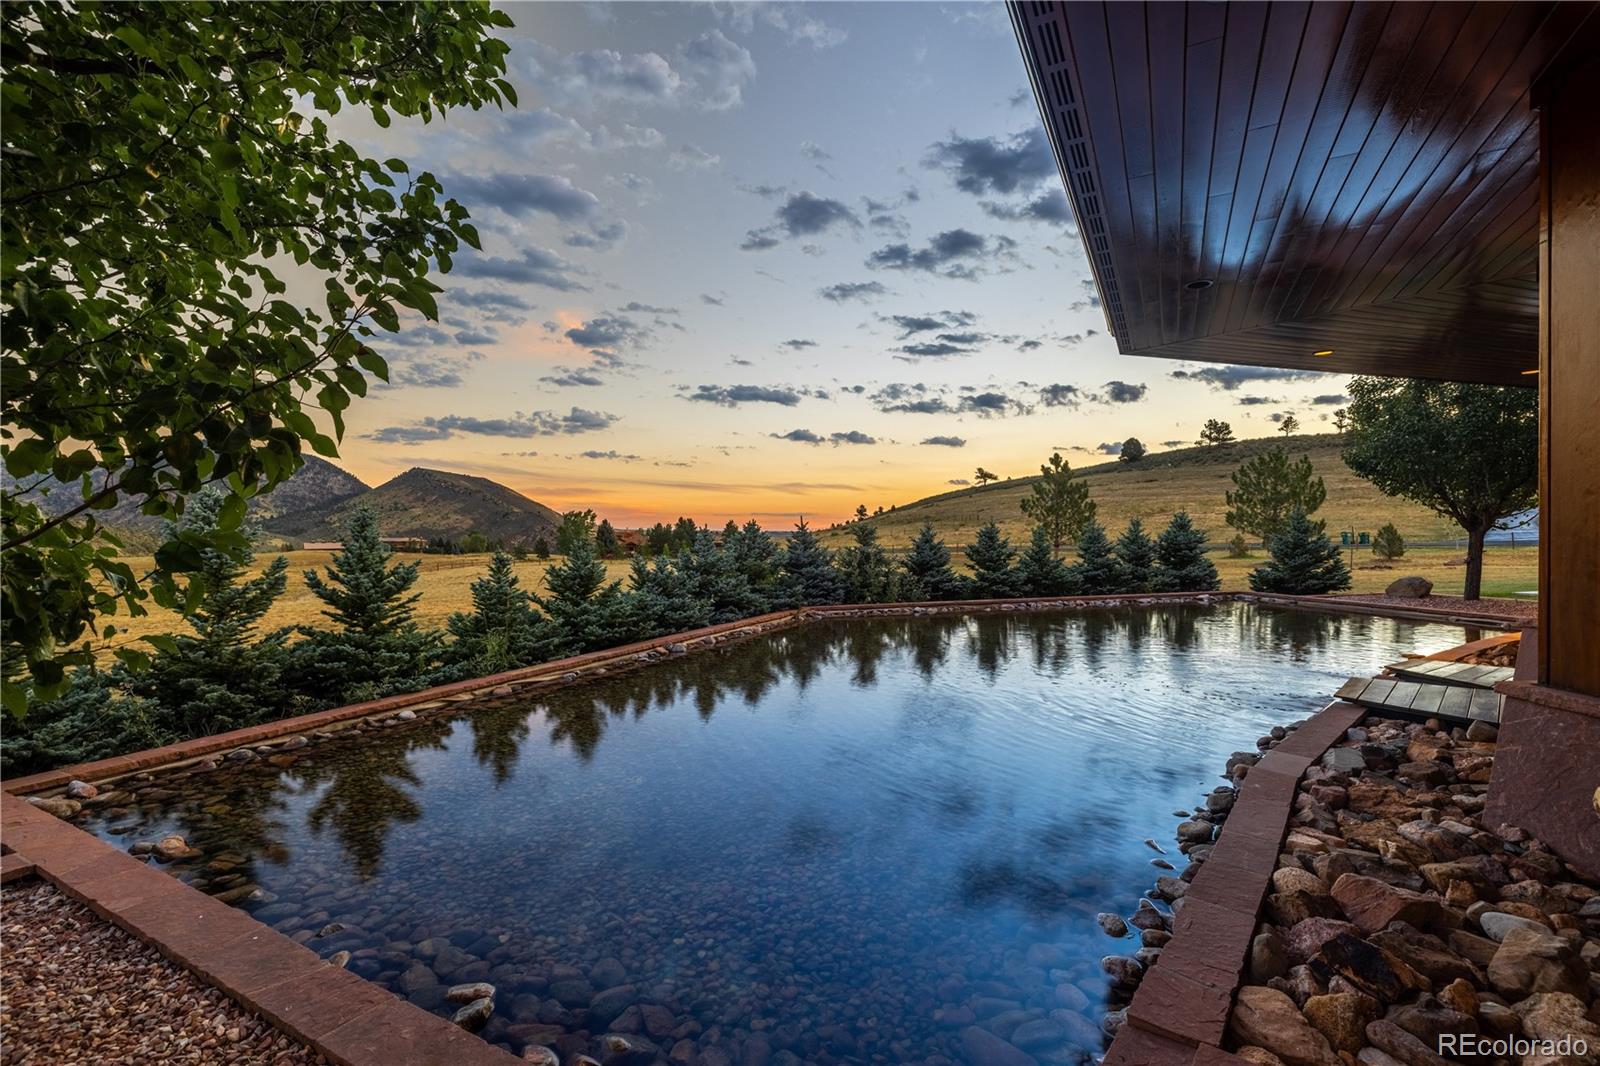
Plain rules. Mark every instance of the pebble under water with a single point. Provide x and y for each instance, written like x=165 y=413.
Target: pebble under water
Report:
x=842 y=843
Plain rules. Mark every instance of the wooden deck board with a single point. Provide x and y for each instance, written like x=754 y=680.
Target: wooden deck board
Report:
x=1459 y=704
x=1471 y=675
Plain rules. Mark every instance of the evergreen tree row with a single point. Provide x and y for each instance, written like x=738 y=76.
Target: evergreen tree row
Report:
x=228 y=673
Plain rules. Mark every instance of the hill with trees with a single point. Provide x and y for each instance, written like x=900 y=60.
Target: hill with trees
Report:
x=1158 y=486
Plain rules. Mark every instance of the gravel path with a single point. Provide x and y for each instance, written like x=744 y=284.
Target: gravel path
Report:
x=74 y=988
x=1516 y=611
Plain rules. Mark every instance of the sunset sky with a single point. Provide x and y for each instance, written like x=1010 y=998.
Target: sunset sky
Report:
x=768 y=260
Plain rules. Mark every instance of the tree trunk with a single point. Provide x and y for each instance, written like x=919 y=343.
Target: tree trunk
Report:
x=1474 y=563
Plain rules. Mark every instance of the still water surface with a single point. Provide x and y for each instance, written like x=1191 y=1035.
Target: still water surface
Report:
x=843 y=843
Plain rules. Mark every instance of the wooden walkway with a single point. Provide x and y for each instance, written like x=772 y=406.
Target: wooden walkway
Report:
x=1459 y=703
x=1444 y=672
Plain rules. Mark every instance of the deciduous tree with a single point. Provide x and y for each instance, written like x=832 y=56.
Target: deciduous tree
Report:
x=161 y=162
x=1468 y=452
x=1132 y=451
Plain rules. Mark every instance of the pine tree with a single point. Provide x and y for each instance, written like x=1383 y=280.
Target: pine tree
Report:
x=1181 y=562
x=541 y=547
x=606 y=543
x=376 y=647
x=585 y=612
x=755 y=555
x=864 y=568
x=1040 y=572
x=1136 y=558
x=1097 y=569
x=502 y=631
x=929 y=575
x=990 y=557
x=714 y=577
x=1387 y=543
x=222 y=676
x=1060 y=503
x=1305 y=562
x=806 y=573
x=662 y=599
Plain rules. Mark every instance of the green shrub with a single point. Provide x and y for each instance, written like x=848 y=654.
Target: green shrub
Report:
x=1387 y=543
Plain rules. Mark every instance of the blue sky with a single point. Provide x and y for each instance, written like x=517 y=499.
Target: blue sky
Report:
x=768 y=260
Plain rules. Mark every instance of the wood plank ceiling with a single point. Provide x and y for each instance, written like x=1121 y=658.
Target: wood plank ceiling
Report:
x=1262 y=182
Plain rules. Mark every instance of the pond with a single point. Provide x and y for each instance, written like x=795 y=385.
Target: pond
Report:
x=848 y=842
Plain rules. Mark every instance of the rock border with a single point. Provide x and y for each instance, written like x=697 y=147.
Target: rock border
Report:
x=1180 y=1013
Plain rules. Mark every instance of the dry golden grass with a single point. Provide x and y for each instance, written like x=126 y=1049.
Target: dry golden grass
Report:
x=445 y=582
x=1189 y=479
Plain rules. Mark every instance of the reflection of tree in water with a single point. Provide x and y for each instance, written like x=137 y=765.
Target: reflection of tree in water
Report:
x=1297 y=633
x=1180 y=626
x=253 y=824
x=497 y=736
x=1050 y=646
x=989 y=643
x=929 y=644
x=364 y=795
x=865 y=646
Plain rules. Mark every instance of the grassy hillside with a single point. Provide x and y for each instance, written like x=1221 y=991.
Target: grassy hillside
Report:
x=432 y=503
x=1188 y=479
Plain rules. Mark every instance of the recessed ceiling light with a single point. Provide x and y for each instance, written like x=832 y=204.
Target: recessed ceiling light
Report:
x=1199 y=283
x=1325 y=351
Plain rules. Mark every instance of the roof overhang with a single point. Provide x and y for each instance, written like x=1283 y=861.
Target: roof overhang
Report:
x=1323 y=186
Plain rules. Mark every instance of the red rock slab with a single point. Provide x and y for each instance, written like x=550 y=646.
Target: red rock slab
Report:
x=1138 y=1047
x=1175 y=1006
x=13 y=867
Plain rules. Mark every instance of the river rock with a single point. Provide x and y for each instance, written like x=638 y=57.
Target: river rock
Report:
x=572 y=992
x=59 y=806
x=1112 y=924
x=1305 y=939
x=1038 y=1034
x=540 y=1055
x=1530 y=962
x=1269 y=957
x=416 y=979
x=619 y=1049
x=1402 y=1046
x=1372 y=904
x=1266 y=1018
x=473 y=1016
x=1125 y=973
x=81 y=790
x=983 y=1048
x=467 y=993
x=1195 y=831
x=1342 y=1017
x=1148 y=917
x=1497 y=925
x=1553 y=1015
x=1369 y=968
x=607 y=1006
x=174 y=848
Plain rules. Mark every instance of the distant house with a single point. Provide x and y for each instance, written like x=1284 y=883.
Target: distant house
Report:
x=399 y=544
x=632 y=540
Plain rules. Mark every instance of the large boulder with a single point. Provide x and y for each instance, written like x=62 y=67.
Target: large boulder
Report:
x=1414 y=587
x=1266 y=1018
x=1531 y=961
x=1372 y=904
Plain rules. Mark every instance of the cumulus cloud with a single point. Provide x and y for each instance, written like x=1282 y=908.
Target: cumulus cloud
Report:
x=734 y=395
x=796 y=344
x=1257 y=401
x=1123 y=392
x=1049 y=206
x=534 y=424
x=1109 y=448
x=845 y=291
x=536 y=266
x=958 y=481
x=995 y=165
x=910 y=325
x=710 y=300
x=692 y=157
x=1061 y=396
x=802 y=214
x=955 y=253
x=933 y=350
x=946 y=442
x=800 y=436
x=854 y=436
x=710 y=72
x=424 y=372
x=1229 y=376
x=525 y=194
x=1332 y=399
x=794 y=20
x=921 y=399
x=610 y=454
x=608 y=331
x=567 y=378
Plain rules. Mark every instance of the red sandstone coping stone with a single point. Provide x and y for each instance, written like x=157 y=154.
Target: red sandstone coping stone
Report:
x=1180 y=1012
x=349 y=1020
x=14 y=867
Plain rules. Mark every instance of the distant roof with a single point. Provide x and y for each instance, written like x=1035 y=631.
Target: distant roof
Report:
x=1323 y=186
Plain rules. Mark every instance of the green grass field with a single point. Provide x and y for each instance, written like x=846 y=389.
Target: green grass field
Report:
x=445 y=582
